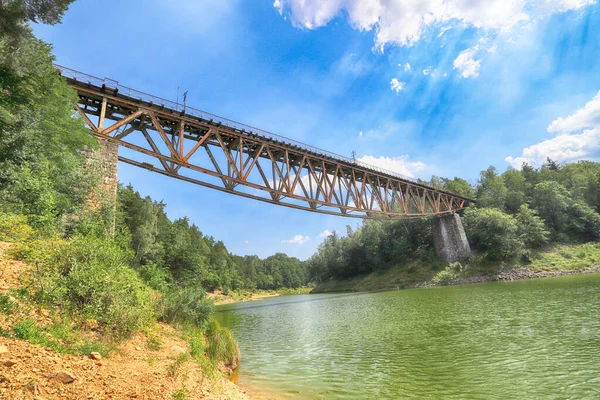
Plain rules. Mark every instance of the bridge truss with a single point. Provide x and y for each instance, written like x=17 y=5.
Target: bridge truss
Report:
x=188 y=144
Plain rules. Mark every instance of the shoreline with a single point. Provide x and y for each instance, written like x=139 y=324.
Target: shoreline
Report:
x=356 y=284
x=220 y=299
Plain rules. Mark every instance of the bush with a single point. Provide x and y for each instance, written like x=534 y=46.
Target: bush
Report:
x=222 y=346
x=14 y=228
x=186 y=306
x=90 y=277
x=493 y=232
x=532 y=230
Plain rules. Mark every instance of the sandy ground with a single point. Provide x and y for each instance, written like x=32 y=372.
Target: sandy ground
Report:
x=132 y=371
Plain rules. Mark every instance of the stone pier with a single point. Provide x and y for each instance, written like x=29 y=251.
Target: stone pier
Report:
x=449 y=238
x=103 y=163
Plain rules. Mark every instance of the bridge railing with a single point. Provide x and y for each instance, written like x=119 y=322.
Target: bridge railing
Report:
x=136 y=94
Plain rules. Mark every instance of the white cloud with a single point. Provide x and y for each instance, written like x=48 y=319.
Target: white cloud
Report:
x=562 y=148
x=407 y=67
x=466 y=64
x=360 y=134
x=298 y=239
x=405 y=22
x=397 y=85
x=401 y=165
x=586 y=117
x=427 y=70
x=325 y=233
x=246 y=242
x=568 y=145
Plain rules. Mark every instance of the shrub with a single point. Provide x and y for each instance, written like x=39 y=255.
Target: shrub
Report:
x=14 y=228
x=90 y=277
x=531 y=228
x=186 y=306
x=493 y=232
x=222 y=346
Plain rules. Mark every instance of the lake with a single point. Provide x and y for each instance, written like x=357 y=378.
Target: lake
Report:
x=506 y=340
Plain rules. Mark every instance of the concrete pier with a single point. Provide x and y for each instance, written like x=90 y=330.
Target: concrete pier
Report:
x=104 y=162
x=449 y=238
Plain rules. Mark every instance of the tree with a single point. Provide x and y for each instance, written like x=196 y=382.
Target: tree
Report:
x=491 y=191
x=459 y=186
x=41 y=142
x=15 y=13
x=531 y=228
x=493 y=232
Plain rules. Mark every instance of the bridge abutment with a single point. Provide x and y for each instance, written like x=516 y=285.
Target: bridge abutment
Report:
x=103 y=163
x=449 y=238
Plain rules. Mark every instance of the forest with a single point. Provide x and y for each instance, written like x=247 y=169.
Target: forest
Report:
x=122 y=266
x=516 y=212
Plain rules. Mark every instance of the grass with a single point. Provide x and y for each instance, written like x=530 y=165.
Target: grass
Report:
x=176 y=365
x=181 y=394
x=7 y=306
x=153 y=342
x=59 y=337
x=566 y=258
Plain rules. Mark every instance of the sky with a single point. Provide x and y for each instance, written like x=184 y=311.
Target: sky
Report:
x=420 y=87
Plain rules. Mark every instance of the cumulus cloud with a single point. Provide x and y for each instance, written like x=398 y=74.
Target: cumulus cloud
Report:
x=407 y=67
x=578 y=138
x=397 y=85
x=562 y=148
x=405 y=22
x=401 y=165
x=298 y=239
x=325 y=233
x=466 y=64
x=586 y=117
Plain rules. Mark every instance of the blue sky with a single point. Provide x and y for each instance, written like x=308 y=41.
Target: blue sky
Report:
x=422 y=87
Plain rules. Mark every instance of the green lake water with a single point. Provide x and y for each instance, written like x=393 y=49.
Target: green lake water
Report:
x=536 y=339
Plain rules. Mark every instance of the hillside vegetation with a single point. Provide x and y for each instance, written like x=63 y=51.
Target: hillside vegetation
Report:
x=522 y=219
x=84 y=279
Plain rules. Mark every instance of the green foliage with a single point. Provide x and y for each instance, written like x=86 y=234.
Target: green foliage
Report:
x=14 y=228
x=567 y=218
x=60 y=337
x=185 y=306
x=491 y=191
x=531 y=228
x=448 y=274
x=181 y=394
x=153 y=342
x=177 y=252
x=377 y=245
x=176 y=365
x=7 y=306
x=222 y=346
x=41 y=142
x=493 y=232
x=90 y=277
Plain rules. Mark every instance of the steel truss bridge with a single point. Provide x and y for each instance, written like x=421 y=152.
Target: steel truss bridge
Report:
x=188 y=144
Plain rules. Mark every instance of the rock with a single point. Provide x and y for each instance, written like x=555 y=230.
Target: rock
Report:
x=138 y=348
x=3 y=350
x=2 y=379
x=65 y=377
x=8 y=363
x=94 y=355
x=179 y=349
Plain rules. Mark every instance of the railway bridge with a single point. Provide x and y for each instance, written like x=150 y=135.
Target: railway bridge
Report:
x=185 y=143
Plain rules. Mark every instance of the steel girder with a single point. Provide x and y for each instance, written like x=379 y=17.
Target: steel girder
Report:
x=230 y=157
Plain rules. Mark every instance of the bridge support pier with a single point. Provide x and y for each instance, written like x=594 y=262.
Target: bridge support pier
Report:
x=103 y=163
x=449 y=238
